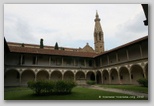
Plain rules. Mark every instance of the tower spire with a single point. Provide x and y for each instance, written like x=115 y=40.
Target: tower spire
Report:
x=98 y=35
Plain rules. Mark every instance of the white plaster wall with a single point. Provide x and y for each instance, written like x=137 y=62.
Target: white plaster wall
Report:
x=28 y=59
x=43 y=60
x=122 y=56
x=134 y=52
x=112 y=58
x=104 y=61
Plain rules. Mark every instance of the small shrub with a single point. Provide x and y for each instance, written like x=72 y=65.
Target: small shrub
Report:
x=143 y=82
x=90 y=82
x=50 y=87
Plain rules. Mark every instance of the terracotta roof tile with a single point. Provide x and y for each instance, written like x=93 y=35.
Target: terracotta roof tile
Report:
x=50 y=52
x=125 y=45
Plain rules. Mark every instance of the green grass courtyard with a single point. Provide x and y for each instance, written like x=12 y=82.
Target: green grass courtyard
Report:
x=78 y=93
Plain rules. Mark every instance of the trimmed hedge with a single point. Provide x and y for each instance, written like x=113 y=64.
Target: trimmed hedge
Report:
x=90 y=82
x=143 y=82
x=43 y=87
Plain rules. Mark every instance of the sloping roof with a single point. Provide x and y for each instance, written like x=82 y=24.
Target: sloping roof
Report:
x=50 y=52
x=125 y=45
x=38 y=46
x=19 y=49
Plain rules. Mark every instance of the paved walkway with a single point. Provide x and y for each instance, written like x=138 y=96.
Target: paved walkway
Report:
x=118 y=91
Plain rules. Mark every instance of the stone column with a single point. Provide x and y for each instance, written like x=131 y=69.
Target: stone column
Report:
x=21 y=57
x=49 y=60
x=35 y=76
x=62 y=76
x=20 y=74
x=86 y=76
x=74 y=61
x=49 y=76
x=141 y=50
x=85 y=63
x=101 y=77
x=144 y=74
x=109 y=77
x=108 y=60
x=100 y=62
x=36 y=60
x=62 y=61
x=119 y=76
x=95 y=78
x=74 y=77
x=127 y=54
x=117 y=57
x=130 y=76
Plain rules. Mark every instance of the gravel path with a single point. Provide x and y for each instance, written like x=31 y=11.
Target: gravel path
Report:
x=118 y=91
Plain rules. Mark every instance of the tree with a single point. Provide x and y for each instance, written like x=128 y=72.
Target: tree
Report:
x=56 y=46
x=41 y=43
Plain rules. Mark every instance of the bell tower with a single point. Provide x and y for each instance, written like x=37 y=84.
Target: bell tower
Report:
x=98 y=35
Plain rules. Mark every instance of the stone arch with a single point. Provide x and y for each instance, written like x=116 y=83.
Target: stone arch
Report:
x=136 y=73
x=27 y=75
x=80 y=78
x=105 y=77
x=42 y=75
x=90 y=75
x=99 y=77
x=124 y=75
x=80 y=75
x=68 y=75
x=114 y=76
x=146 y=70
x=56 y=75
x=12 y=78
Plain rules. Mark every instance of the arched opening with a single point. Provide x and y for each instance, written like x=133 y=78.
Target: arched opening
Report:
x=42 y=75
x=114 y=76
x=68 y=75
x=12 y=78
x=80 y=75
x=91 y=76
x=105 y=77
x=124 y=75
x=146 y=71
x=27 y=75
x=56 y=75
x=99 y=77
x=80 y=78
x=136 y=73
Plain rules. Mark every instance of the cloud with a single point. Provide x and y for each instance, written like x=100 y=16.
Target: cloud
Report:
x=70 y=24
x=128 y=31
x=17 y=29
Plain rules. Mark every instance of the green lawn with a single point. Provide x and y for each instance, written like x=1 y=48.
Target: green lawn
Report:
x=128 y=87
x=78 y=93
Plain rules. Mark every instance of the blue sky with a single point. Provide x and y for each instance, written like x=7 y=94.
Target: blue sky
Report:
x=72 y=25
